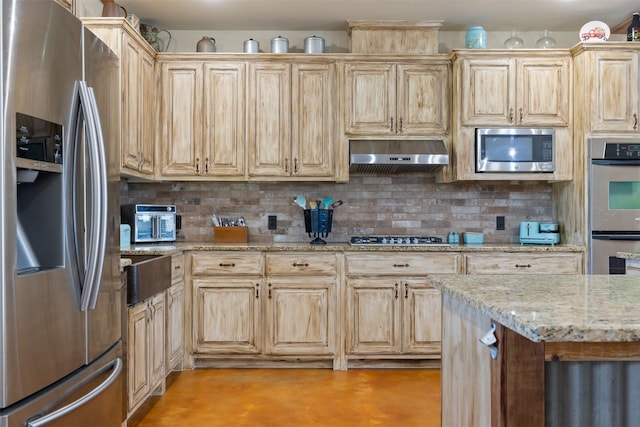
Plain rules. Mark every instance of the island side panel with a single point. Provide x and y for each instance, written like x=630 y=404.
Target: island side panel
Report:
x=466 y=366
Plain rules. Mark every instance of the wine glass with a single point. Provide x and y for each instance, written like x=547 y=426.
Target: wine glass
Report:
x=514 y=42
x=546 y=42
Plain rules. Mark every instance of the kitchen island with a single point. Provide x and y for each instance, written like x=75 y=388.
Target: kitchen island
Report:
x=559 y=350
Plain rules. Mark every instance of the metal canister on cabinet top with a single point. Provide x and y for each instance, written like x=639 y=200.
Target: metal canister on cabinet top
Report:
x=314 y=44
x=251 y=46
x=279 y=45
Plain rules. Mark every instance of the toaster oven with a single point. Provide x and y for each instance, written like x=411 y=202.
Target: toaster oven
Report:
x=150 y=223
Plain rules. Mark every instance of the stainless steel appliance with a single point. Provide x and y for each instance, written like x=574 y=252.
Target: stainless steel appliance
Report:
x=396 y=241
x=397 y=156
x=515 y=150
x=61 y=298
x=150 y=223
x=614 y=202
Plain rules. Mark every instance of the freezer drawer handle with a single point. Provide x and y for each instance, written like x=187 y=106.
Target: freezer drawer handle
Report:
x=116 y=365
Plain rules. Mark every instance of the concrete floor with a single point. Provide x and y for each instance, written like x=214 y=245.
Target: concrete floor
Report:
x=300 y=398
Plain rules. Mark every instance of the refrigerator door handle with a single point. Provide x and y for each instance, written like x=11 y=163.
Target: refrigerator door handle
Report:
x=115 y=365
x=89 y=254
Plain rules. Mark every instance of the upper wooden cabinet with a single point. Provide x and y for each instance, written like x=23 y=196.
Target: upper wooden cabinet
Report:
x=387 y=98
x=496 y=89
x=202 y=117
x=607 y=87
x=137 y=87
x=291 y=126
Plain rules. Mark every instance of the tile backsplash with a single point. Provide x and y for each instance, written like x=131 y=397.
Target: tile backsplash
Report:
x=373 y=204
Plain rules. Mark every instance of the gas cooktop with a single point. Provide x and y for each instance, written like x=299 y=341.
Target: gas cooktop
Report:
x=396 y=241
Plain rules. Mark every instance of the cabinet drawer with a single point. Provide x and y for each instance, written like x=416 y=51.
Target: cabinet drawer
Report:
x=205 y=264
x=525 y=263
x=401 y=264
x=301 y=263
x=177 y=268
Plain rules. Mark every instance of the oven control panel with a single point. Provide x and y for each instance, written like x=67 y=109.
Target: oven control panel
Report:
x=623 y=151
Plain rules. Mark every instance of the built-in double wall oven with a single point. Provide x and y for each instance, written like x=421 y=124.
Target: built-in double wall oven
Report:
x=614 y=202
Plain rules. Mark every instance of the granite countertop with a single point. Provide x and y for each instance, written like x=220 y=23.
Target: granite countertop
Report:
x=178 y=247
x=628 y=255
x=553 y=308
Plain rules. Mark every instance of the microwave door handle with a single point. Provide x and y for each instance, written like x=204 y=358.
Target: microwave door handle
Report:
x=114 y=365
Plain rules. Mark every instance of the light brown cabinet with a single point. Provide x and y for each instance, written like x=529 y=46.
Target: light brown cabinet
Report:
x=138 y=113
x=145 y=349
x=390 y=308
x=202 y=118
x=227 y=316
x=609 y=78
x=291 y=126
x=524 y=88
x=524 y=263
x=387 y=98
x=523 y=91
x=301 y=304
x=175 y=315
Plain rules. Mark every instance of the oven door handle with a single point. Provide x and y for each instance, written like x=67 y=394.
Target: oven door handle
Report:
x=607 y=236
x=604 y=162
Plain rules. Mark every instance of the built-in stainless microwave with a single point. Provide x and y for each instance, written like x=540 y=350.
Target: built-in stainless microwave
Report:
x=515 y=150
x=150 y=223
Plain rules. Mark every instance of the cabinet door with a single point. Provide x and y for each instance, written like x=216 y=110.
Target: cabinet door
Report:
x=421 y=317
x=301 y=316
x=157 y=363
x=616 y=92
x=138 y=108
x=224 y=119
x=313 y=129
x=373 y=310
x=226 y=315
x=181 y=107
x=370 y=98
x=487 y=91
x=423 y=99
x=138 y=380
x=269 y=119
x=175 y=325
x=544 y=91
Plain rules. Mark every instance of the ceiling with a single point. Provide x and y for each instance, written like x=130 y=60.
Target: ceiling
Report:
x=331 y=15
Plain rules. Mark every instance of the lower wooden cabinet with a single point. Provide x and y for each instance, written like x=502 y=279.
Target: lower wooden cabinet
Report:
x=301 y=303
x=175 y=326
x=145 y=349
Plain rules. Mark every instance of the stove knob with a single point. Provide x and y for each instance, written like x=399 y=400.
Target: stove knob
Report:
x=384 y=240
x=414 y=240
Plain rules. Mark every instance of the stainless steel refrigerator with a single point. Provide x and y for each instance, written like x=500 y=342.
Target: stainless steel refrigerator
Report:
x=61 y=298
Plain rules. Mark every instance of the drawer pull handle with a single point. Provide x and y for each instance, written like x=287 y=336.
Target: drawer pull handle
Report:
x=177 y=267
x=635 y=121
x=406 y=291
x=400 y=265
x=225 y=264
x=269 y=295
x=299 y=264
x=396 y=286
x=257 y=290
x=523 y=265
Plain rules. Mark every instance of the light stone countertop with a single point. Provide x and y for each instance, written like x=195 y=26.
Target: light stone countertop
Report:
x=628 y=255
x=178 y=247
x=553 y=308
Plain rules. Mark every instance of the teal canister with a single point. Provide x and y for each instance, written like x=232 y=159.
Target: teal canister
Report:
x=476 y=38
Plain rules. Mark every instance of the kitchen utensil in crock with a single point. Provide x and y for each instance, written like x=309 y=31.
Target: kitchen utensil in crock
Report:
x=300 y=201
x=206 y=44
x=112 y=9
x=326 y=202
x=336 y=204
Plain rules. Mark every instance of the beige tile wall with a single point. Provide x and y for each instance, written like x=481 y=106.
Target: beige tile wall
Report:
x=399 y=205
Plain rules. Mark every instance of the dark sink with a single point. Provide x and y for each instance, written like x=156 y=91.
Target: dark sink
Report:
x=146 y=276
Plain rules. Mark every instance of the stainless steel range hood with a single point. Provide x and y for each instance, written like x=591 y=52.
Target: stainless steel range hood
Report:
x=397 y=156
